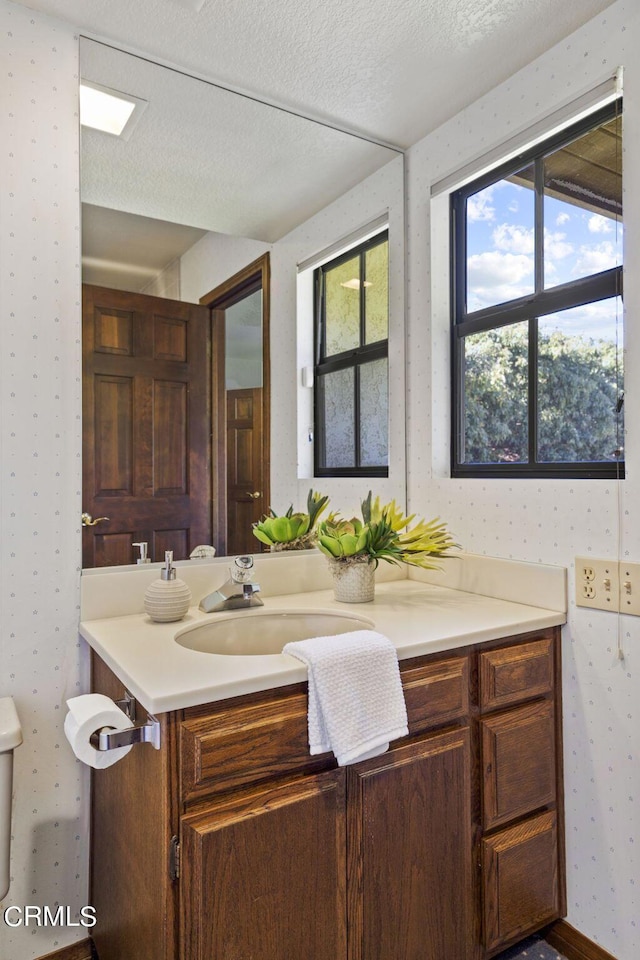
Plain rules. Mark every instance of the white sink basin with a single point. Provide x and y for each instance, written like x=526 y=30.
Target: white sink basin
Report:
x=266 y=632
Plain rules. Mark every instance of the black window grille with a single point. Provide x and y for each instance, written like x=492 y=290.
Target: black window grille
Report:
x=537 y=310
x=351 y=395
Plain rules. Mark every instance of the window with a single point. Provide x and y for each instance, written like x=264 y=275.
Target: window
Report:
x=537 y=309
x=351 y=399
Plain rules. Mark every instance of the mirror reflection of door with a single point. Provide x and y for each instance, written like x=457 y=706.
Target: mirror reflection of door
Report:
x=241 y=307
x=147 y=396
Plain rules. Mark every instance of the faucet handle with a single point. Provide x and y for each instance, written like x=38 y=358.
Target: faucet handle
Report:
x=242 y=569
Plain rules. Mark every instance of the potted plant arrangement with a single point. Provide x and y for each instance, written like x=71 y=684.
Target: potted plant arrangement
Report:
x=291 y=531
x=355 y=547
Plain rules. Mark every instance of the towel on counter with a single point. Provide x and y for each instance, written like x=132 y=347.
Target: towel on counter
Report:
x=356 y=702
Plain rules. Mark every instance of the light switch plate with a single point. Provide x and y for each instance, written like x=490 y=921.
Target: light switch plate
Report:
x=630 y=588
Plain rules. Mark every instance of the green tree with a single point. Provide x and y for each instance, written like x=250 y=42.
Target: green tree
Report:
x=578 y=389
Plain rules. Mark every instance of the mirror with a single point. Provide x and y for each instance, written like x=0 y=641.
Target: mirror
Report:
x=204 y=185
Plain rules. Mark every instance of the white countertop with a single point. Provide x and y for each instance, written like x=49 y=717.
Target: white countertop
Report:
x=419 y=618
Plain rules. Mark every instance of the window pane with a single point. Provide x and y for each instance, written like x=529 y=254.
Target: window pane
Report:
x=342 y=307
x=243 y=343
x=374 y=414
x=376 y=293
x=583 y=206
x=579 y=381
x=339 y=418
x=500 y=225
x=495 y=390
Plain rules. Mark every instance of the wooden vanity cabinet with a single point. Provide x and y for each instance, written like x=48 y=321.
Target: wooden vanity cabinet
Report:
x=522 y=845
x=231 y=842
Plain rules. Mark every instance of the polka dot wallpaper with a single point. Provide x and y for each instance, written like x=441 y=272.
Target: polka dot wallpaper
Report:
x=548 y=521
x=40 y=465
x=41 y=663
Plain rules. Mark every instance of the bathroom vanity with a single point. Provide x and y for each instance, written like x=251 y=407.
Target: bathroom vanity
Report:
x=231 y=842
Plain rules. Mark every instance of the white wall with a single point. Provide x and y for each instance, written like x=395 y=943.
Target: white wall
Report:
x=40 y=662
x=40 y=438
x=549 y=520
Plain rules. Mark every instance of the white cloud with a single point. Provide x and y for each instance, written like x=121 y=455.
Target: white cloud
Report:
x=601 y=256
x=556 y=246
x=479 y=206
x=494 y=277
x=513 y=239
x=562 y=218
x=599 y=224
x=514 y=206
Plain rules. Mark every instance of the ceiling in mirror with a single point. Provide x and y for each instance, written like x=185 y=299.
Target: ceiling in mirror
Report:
x=394 y=71
x=210 y=159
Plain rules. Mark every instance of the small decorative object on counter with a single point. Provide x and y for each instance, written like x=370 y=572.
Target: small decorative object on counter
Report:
x=355 y=546
x=203 y=551
x=355 y=581
x=168 y=598
x=293 y=531
x=144 y=556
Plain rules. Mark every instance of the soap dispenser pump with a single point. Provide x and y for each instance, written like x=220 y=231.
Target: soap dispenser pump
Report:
x=168 y=598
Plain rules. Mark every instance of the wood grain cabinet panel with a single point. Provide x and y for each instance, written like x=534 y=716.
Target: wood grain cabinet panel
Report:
x=514 y=673
x=436 y=693
x=519 y=762
x=520 y=879
x=410 y=873
x=249 y=743
x=264 y=875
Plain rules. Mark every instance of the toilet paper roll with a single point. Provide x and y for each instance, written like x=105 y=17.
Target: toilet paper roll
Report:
x=89 y=713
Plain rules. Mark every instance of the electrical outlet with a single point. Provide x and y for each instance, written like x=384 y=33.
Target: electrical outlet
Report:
x=598 y=584
x=630 y=588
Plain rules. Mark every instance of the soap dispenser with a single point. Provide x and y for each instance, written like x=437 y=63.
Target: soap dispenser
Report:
x=168 y=598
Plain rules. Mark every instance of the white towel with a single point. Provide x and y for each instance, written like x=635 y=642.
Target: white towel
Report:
x=356 y=703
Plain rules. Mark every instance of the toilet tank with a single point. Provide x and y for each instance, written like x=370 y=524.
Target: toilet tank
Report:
x=10 y=737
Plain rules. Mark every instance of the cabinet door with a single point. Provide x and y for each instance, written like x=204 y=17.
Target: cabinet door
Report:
x=519 y=758
x=409 y=852
x=520 y=880
x=263 y=874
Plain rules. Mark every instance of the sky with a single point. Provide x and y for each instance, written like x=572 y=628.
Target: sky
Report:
x=577 y=243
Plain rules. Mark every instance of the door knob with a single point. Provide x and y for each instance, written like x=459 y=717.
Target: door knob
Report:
x=88 y=521
x=254 y=496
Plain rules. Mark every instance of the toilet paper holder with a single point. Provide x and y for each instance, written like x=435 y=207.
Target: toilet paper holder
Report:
x=148 y=732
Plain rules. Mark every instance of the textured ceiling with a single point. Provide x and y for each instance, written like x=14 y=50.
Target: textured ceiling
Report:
x=209 y=159
x=391 y=70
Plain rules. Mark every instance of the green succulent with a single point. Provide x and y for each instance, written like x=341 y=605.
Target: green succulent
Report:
x=272 y=530
x=291 y=528
x=384 y=534
x=342 y=538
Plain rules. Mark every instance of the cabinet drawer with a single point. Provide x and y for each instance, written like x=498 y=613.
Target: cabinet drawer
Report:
x=515 y=673
x=436 y=693
x=520 y=880
x=245 y=744
x=519 y=762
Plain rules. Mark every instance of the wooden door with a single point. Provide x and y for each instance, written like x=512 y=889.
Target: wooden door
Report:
x=245 y=469
x=263 y=874
x=410 y=883
x=146 y=425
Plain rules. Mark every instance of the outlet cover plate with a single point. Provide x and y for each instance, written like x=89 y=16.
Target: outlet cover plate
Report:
x=598 y=584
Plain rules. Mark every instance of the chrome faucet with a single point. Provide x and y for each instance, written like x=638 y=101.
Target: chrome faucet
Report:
x=238 y=592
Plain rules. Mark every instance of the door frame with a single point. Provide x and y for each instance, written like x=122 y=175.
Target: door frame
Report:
x=235 y=288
